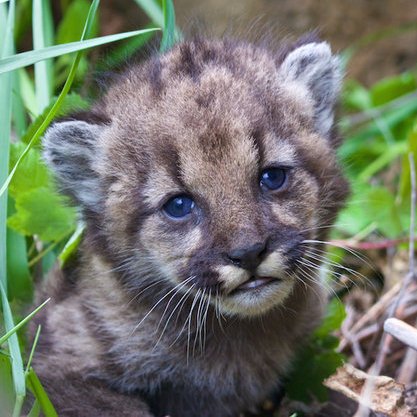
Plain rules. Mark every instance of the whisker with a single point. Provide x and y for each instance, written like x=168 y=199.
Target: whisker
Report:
x=189 y=319
x=181 y=301
x=159 y=301
x=338 y=245
x=326 y=261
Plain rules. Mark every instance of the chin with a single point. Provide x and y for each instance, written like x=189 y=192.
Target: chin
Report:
x=258 y=301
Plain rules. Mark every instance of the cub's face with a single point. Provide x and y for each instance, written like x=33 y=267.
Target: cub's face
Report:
x=207 y=169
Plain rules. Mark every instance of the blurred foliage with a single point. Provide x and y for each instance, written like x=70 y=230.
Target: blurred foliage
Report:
x=36 y=224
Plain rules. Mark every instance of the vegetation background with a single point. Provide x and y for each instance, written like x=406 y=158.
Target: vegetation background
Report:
x=369 y=251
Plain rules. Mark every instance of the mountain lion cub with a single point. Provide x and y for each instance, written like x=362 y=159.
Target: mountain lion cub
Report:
x=203 y=176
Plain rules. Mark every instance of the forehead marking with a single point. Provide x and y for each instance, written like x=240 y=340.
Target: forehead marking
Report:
x=158 y=185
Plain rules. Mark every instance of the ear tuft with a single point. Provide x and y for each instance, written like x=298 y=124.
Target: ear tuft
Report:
x=319 y=72
x=70 y=151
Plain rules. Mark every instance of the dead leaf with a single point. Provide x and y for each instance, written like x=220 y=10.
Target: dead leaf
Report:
x=387 y=396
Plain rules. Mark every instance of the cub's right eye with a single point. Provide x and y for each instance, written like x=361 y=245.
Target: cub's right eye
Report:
x=179 y=206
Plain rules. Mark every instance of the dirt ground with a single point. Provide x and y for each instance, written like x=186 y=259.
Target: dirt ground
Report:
x=342 y=22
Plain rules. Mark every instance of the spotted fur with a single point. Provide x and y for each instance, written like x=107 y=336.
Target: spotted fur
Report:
x=151 y=319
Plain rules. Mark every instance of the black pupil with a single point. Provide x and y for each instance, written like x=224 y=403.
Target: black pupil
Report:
x=179 y=206
x=273 y=178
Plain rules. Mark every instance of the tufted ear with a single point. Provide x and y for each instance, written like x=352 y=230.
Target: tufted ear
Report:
x=313 y=66
x=70 y=151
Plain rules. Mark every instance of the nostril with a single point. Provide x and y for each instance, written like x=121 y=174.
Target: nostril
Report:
x=236 y=261
x=249 y=257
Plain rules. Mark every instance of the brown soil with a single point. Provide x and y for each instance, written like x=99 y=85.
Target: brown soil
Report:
x=341 y=22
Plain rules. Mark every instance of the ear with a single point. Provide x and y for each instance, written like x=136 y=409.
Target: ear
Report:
x=313 y=66
x=70 y=150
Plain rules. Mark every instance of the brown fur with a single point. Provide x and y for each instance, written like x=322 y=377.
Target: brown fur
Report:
x=150 y=313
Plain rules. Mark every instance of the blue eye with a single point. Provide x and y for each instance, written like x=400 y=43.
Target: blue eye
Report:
x=273 y=178
x=179 y=206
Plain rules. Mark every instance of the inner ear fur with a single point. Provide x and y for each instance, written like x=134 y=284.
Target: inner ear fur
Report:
x=70 y=150
x=319 y=73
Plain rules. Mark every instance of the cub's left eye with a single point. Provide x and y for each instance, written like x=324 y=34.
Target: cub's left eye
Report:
x=179 y=206
x=273 y=178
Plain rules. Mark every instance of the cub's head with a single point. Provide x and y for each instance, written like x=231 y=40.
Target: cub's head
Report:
x=207 y=168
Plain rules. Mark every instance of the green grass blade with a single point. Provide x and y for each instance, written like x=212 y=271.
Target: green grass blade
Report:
x=3 y=26
x=49 y=117
x=72 y=243
x=39 y=392
x=119 y=55
x=35 y=410
x=32 y=351
x=14 y=329
x=18 y=111
x=18 y=273
x=41 y=19
x=6 y=83
x=90 y=19
x=28 y=58
x=153 y=10
x=168 y=36
x=14 y=348
x=27 y=92
x=7 y=396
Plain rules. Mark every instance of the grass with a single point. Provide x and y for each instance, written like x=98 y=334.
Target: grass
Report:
x=34 y=99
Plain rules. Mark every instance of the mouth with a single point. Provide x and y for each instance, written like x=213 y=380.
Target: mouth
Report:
x=254 y=283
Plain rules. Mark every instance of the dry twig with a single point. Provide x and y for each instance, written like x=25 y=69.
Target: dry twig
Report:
x=363 y=409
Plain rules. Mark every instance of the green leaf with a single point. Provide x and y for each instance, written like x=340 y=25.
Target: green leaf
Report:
x=28 y=58
x=17 y=363
x=335 y=314
x=310 y=370
x=18 y=110
x=27 y=92
x=42 y=37
x=18 y=274
x=55 y=108
x=392 y=152
x=392 y=88
x=32 y=172
x=354 y=218
x=69 y=30
x=405 y=181
x=381 y=206
x=40 y=394
x=71 y=26
x=168 y=35
x=121 y=53
x=35 y=410
x=34 y=344
x=153 y=10
x=7 y=18
x=7 y=396
x=318 y=360
x=71 y=103
x=72 y=244
x=355 y=96
x=41 y=212
x=13 y=329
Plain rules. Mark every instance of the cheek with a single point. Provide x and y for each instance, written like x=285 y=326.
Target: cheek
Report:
x=169 y=244
x=300 y=209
